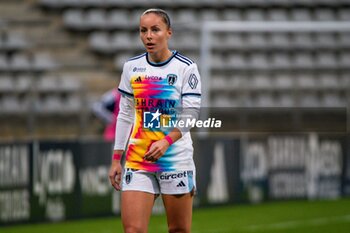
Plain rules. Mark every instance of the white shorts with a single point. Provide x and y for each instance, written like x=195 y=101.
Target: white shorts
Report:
x=177 y=182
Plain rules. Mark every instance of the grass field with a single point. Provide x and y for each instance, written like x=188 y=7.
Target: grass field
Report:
x=293 y=216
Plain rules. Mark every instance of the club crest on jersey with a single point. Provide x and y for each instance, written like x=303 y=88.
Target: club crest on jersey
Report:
x=128 y=177
x=172 y=78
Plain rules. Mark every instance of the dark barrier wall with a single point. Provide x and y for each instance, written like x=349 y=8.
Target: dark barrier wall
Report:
x=217 y=163
x=54 y=181
x=293 y=166
x=55 y=192
x=96 y=191
x=272 y=167
x=346 y=169
x=15 y=187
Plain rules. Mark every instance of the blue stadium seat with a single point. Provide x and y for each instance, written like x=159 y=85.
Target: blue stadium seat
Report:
x=326 y=60
x=95 y=19
x=325 y=14
x=231 y=14
x=222 y=100
x=74 y=19
x=72 y=104
x=283 y=81
x=310 y=99
x=329 y=80
x=50 y=104
x=47 y=84
x=16 y=42
x=280 y=60
x=217 y=62
x=301 y=14
x=306 y=81
x=12 y=105
x=185 y=17
x=50 y=3
x=255 y=15
x=12 y=42
x=236 y=81
x=283 y=3
x=233 y=40
x=285 y=99
x=185 y=41
x=344 y=80
x=302 y=40
x=265 y=99
x=72 y=3
x=237 y=61
x=219 y=82
x=100 y=41
x=259 y=61
x=22 y=62
x=333 y=99
x=278 y=14
x=118 y=18
x=6 y=84
x=344 y=60
x=69 y=84
x=23 y=83
x=90 y=3
x=325 y=40
x=260 y=81
x=44 y=62
x=305 y=3
x=256 y=40
x=121 y=41
x=116 y=2
x=344 y=40
x=4 y=64
x=344 y=14
x=303 y=60
x=279 y=40
x=209 y=15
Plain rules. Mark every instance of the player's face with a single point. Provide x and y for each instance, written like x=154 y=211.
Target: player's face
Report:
x=154 y=33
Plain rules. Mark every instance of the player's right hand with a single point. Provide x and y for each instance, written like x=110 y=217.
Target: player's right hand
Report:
x=115 y=174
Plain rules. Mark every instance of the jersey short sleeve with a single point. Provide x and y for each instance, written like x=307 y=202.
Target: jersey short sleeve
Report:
x=125 y=85
x=192 y=81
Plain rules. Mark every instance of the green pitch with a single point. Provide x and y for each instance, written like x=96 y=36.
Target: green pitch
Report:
x=293 y=216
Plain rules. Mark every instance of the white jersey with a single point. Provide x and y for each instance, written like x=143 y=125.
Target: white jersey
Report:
x=158 y=90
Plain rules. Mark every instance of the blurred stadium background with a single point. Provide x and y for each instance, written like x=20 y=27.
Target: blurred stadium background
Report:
x=284 y=96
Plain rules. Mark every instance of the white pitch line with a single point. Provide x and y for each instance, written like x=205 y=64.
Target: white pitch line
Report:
x=216 y=230
x=298 y=223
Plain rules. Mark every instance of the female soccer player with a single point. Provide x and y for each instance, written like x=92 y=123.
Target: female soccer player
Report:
x=158 y=88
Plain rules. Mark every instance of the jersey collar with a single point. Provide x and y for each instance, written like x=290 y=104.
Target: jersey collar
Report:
x=161 y=63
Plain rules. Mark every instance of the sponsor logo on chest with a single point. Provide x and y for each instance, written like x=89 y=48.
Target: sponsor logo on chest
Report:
x=153 y=77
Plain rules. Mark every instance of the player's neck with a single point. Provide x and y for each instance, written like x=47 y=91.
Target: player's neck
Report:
x=160 y=56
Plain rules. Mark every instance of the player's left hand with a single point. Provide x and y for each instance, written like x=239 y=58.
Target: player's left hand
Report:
x=115 y=174
x=156 y=150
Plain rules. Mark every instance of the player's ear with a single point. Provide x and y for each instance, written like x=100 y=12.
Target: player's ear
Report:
x=170 y=33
